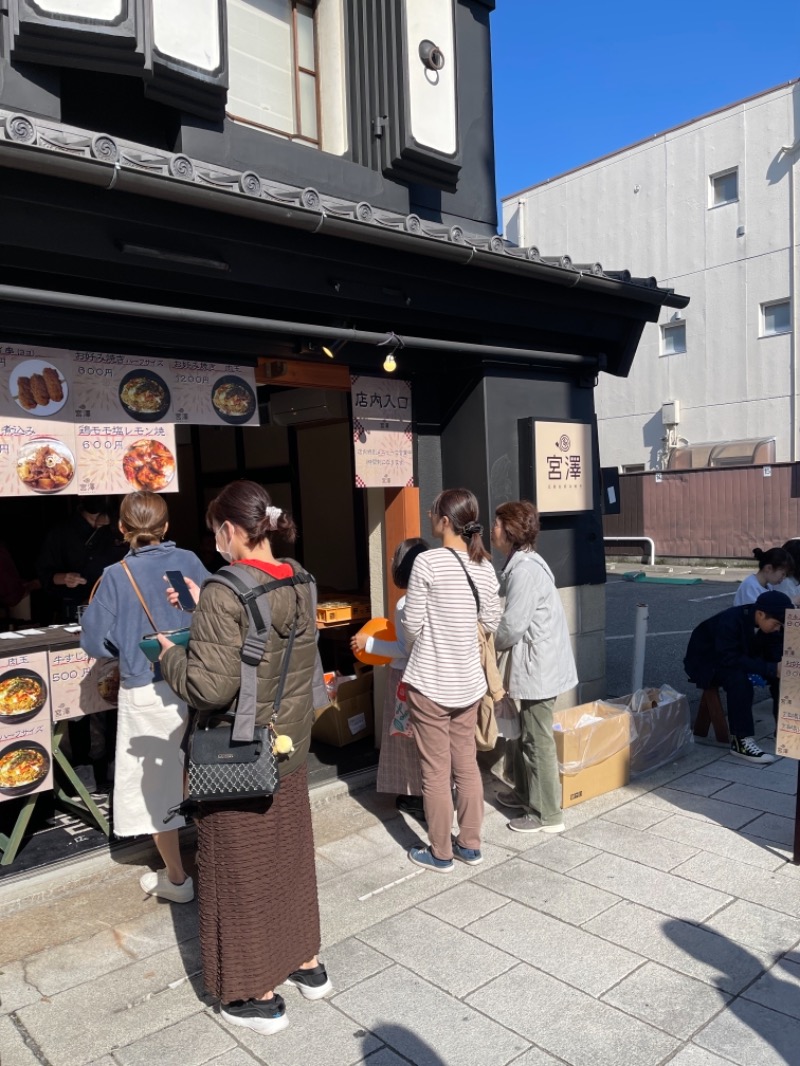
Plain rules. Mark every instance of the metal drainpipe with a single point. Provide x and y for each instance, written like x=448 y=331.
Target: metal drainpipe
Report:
x=793 y=306
x=791 y=149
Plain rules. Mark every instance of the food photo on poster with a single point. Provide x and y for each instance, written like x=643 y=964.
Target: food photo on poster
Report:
x=38 y=387
x=25 y=726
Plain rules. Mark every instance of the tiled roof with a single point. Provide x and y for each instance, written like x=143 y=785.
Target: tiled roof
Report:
x=48 y=146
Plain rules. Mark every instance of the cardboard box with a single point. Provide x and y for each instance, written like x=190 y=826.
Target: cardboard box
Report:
x=594 y=759
x=350 y=716
x=661 y=727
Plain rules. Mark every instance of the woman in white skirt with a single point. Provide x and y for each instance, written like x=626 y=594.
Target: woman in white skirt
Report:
x=148 y=778
x=398 y=763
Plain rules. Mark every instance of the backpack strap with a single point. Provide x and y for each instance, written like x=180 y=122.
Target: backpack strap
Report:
x=248 y=590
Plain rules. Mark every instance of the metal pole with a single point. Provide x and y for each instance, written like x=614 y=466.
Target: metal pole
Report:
x=73 y=301
x=796 y=857
x=639 y=646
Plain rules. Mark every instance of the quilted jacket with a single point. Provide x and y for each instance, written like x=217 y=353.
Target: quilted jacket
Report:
x=206 y=674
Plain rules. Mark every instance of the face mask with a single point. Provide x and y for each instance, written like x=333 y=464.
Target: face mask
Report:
x=226 y=555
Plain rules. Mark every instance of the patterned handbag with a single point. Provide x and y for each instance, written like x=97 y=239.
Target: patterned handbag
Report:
x=221 y=767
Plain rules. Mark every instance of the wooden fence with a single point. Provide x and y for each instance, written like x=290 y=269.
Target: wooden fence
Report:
x=708 y=514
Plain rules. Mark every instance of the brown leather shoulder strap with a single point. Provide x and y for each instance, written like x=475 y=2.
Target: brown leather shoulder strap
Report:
x=140 y=597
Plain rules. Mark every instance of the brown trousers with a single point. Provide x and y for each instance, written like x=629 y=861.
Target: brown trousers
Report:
x=445 y=738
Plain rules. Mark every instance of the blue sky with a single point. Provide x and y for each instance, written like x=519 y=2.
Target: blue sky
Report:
x=575 y=79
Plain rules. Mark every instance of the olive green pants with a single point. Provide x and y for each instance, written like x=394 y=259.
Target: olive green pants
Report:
x=535 y=763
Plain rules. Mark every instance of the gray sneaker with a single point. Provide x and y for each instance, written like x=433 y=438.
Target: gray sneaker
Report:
x=529 y=823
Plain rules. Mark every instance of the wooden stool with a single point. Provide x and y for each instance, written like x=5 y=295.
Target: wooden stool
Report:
x=711 y=712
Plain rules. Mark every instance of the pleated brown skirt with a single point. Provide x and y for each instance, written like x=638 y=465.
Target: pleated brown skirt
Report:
x=257 y=892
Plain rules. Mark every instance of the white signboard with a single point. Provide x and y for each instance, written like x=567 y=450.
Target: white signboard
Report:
x=382 y=434
x=564 y=467
x=787 y=738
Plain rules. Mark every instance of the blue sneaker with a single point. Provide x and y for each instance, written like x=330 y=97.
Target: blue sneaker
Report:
x=425 y=858
x=471 y=856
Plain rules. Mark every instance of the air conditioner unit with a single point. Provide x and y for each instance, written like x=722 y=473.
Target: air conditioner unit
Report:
x=304 y=407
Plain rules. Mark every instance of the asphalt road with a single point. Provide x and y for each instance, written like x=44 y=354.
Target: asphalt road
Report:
x=674 y=611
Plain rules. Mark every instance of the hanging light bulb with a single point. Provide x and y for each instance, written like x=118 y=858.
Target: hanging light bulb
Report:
x=394 y=344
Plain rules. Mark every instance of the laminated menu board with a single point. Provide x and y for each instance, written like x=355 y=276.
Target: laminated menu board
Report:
x=42 y=384
x=58 y=458
x=26 y=756
x=80 y=685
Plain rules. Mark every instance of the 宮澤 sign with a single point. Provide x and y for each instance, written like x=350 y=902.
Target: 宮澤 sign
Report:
x=382 y=436
x=563 y=467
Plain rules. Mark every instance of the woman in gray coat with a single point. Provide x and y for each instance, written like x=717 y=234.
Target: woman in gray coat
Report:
x=534 y=630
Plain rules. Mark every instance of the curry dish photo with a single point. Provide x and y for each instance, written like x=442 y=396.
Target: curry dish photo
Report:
x=45 y=465
x=23 y=767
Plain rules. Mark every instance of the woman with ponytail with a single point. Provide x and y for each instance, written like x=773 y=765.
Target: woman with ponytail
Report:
x=450 y=590
x=148 y=775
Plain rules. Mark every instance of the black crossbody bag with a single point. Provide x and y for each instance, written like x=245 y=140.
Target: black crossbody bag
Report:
x=230 y=758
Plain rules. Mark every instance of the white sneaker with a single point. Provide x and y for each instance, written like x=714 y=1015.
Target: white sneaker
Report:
x=746 y=748
x=156 y=883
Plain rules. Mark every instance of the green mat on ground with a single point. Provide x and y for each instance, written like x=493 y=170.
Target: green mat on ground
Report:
x=653 y=579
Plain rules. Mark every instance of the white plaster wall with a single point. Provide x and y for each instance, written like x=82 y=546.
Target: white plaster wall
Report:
x=647 y=209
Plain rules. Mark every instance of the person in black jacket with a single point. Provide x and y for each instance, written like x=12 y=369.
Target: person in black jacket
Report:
x=730 y=647
x=76 y=552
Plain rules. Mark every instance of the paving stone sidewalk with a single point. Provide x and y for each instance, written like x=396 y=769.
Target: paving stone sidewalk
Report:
x=662 y=927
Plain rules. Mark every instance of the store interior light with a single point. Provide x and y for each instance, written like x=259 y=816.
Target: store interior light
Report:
x=333 y=349
x=394 y=344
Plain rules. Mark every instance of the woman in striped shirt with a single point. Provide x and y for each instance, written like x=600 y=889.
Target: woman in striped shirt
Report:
x=451 y=588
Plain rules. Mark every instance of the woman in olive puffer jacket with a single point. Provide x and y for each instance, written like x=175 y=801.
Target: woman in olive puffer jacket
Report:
x=259 y=912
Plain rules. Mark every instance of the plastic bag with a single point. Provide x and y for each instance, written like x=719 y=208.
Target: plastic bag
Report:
x=661 y=727
x=400 y=725
x=507 y=716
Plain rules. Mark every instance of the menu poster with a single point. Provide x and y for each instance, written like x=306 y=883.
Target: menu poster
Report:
x=787 y=737
x=26 y=755
x=37 y=459
x=115 y=459
x=103 y=387
x=81 y=685
x=382 y=434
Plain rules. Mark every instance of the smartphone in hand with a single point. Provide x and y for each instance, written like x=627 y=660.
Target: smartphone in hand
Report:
x=185 y=598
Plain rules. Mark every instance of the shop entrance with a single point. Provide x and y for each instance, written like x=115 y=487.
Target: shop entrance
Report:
x=303 y=454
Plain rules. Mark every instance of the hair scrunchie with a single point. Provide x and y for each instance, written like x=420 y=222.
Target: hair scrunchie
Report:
x=272 y=515
x=471 y=528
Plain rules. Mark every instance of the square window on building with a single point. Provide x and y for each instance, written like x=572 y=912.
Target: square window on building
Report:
x=776 y=317
x=725 y=187
x=673 y=338
x=633 y=468
x=272 y=54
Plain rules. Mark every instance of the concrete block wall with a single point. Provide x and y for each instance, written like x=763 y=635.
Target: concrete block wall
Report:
x=585 y=608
